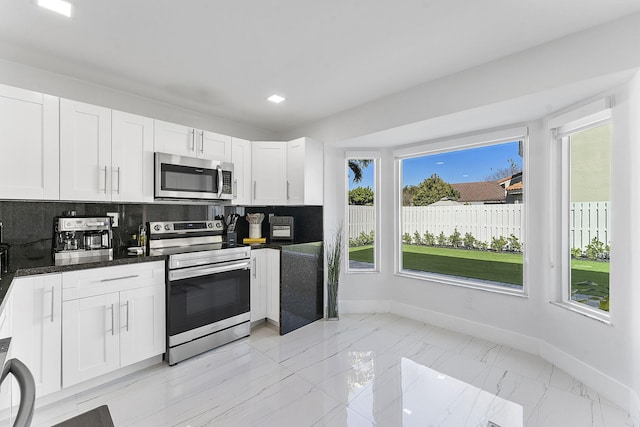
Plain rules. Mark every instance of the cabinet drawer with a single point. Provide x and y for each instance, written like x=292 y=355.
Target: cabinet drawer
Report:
x=98 y=281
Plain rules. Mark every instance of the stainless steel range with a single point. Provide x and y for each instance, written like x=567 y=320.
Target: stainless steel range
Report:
x=207 y=286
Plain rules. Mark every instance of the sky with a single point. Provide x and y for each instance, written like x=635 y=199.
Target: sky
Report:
x=454 y=167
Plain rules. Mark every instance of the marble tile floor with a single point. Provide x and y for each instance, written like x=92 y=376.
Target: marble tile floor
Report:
x=363 y=370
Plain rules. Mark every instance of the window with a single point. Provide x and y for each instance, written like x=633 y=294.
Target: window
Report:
x=461 y=212
x=363 y=212
x=586 y=184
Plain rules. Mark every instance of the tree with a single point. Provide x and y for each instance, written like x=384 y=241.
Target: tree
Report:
x=356 y=167
x=361 y=196
x=408 y=193
x=433 y=189
x=502 y=173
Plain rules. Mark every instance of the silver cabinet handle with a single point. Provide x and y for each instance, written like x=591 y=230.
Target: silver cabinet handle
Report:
x=255 y=267
x=193 y=140
x=127 y=325
x=288 y=183
x=254 y=190
x=119 y=278
x=117 y=170
x=235 y=188
x=202 y=142
x=52 y=301
x=105 y=179
x=113 y=332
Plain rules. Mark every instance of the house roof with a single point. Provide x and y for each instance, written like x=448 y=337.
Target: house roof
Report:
x=485 y=191
x=515 y=187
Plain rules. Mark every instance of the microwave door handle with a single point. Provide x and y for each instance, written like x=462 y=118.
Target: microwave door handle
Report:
x=220 y=180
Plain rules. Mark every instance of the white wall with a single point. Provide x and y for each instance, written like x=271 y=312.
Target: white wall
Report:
x=603 y=356
x=26 y=77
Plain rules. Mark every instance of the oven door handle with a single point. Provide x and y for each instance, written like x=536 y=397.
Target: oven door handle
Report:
x=186 y=273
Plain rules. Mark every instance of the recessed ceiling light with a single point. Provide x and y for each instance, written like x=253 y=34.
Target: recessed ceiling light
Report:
x=276 y=99
x=59 y=6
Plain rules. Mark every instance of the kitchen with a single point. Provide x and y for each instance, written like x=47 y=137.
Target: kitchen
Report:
x=94 y=73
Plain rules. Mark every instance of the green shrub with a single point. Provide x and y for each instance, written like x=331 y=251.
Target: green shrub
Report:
x=469 y=241
x=455 y=239
x=596 y=249
x=498 y=243
x=442 y=239
x=429 y=239
x=406 y=238
x=362 y=240
x=576 y=252
x=514 y=244
x=417 y=240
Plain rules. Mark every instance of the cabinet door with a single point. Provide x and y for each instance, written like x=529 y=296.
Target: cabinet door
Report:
x=142 y=324
x=173 y=138
x=273 y=285
x=269 y=173
x=258 y=285
x=37 y=328
x=295 y=172
x=85 y=151
x=241 y=158
x=90 y=342
x=214 y=146
x=29 y=143
x=131 y=158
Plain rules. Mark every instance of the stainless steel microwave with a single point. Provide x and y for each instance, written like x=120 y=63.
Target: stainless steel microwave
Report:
x=190 y=178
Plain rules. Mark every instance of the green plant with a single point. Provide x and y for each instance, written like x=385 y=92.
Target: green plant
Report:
x=514 y=243
x=469 y=241
x=596 y=249
x=429 y=239
x=334 y=259
x=498 y=243
x=442 y=239
x=576 y=252
x=483 y=246
x=455 y=239
x=406 y=238
x=417 y=240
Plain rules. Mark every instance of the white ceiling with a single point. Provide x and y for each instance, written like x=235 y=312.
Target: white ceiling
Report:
x=225 y=57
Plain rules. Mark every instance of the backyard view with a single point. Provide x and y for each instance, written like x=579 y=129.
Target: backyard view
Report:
x=462 y=216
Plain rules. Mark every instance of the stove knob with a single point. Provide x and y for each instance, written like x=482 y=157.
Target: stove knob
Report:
x=218 y=225
x=167 y=227
x=157 y=227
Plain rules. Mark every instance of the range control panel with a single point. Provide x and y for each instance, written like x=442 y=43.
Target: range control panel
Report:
x=186 y=227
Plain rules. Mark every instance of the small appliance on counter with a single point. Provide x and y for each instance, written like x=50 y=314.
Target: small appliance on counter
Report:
x=80 y=239
x=281 y=228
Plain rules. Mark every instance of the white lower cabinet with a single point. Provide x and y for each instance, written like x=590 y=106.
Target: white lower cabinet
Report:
x=265 y=285
x=36 y=328
x=112 y=317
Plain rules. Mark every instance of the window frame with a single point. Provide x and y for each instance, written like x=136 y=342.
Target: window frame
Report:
x=561 y=138
x=458 y=143
x=377 y=160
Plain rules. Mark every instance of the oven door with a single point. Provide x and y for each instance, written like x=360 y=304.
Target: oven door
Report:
x=202 y=300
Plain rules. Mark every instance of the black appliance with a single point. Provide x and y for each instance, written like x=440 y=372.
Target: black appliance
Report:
x=208 y=282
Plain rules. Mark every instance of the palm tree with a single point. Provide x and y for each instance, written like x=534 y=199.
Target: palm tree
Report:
x=356 y=167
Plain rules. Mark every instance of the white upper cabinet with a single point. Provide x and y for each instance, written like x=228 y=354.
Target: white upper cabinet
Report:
x=131 y=158
x=241 y=158
x=186 y=141
x=85 y=151
x=29 y=135
x=305 y=172
x=269 y=173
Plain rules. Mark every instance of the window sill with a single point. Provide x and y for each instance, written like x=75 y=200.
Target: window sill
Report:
x=465 y=283
x=598 y=315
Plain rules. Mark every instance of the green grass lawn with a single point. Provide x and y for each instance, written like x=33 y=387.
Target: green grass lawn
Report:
x=503 y=267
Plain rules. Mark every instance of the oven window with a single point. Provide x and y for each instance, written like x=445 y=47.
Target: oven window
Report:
x=199 y=301
x=186 y=178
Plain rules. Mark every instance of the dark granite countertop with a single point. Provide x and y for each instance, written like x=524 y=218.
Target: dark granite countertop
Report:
x=120 y=257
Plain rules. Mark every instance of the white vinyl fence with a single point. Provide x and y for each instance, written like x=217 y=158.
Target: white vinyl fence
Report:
x=587 y=220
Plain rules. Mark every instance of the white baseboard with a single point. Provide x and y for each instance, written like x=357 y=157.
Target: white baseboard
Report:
x=609 y=387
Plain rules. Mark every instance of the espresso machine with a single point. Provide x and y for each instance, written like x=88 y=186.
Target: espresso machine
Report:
x=80 y=239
